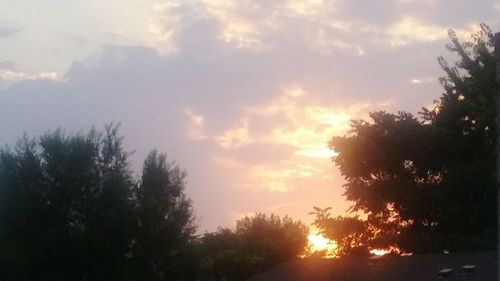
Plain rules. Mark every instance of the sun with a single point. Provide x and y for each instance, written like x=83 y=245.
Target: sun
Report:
x=379 y=252
x=318 y=243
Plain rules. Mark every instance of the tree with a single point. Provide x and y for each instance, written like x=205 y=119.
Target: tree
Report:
x=258 y=243
x=70 y=209
x=166 y=222
x=350 y=234
x=65 y=207
x=221 y=257
x=108 y=208
x=428 y=182
x=388 y=165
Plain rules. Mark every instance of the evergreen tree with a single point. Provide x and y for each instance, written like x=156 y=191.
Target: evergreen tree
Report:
x=166 y=223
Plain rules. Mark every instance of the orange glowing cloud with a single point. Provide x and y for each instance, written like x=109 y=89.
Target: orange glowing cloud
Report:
x=236 y=137
x=305 y=126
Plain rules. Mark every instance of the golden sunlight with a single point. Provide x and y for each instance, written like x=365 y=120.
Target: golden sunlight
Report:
x=318 y=243
x=307 y=128
x=379 y=252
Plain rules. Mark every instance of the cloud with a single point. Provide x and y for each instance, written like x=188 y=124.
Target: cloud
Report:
x=307 y=7
x=195 y=107
x=244 y=95
x=329 y=26
x=10 y=74
x=7 y=31
x=7 y=65
x=237 y=28
x=304 y=129
x=195 y=128
x=410 y=30
x=168 y=18
x=258 y=25
x=236 y=137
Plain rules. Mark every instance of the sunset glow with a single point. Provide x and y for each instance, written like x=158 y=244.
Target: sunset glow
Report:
x=273 y=139
x=379 y=252
x=244 y=95
x=318 y=243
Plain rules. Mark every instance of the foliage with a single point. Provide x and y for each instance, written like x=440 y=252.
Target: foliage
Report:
x=349 y=233
x=166 y=229
x=258 y=243
x=70 y=209
x=428 y=182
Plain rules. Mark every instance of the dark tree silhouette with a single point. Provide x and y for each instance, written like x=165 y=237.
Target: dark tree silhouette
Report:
x=162 y=250
x=65 y=208
x=70 y=209
x=258 y=243
x=428 y=183
x=351 y=234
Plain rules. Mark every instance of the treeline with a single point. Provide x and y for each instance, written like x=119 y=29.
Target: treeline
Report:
x=257 y=244
x=427 y=182
x=71 y=209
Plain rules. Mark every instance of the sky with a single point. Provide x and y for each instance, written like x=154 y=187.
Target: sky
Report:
x=243 y=95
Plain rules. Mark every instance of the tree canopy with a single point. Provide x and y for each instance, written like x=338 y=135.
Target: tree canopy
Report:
x=427 y=182
x=166 y=227
x=258 y=243
x=351 y=234
x=70 y=208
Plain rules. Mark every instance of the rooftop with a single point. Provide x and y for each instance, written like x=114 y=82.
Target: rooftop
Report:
x=478 y=266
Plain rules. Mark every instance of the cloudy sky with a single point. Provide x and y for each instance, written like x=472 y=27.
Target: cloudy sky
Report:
x=244 y=95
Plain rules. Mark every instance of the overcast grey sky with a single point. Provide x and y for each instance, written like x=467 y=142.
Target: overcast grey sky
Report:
x=244 y=95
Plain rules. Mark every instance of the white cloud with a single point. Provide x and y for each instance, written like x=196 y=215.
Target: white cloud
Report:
x=306 y=7
x=235 y=137
x=409 y=30
x=236 y=29
x=12 y=75
x=195 y=128
x=166 y=21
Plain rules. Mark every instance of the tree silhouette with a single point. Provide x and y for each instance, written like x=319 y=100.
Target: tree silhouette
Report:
x=165 y=217
x=258 y=243
x=350 y=234
x=70 y=209
x=428 y=183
